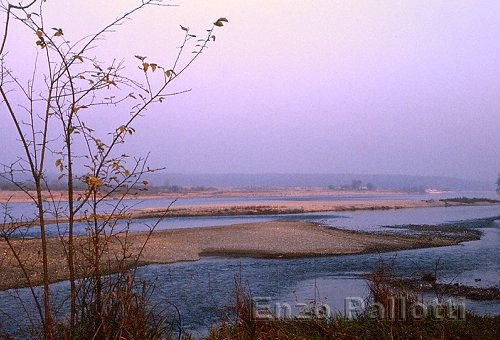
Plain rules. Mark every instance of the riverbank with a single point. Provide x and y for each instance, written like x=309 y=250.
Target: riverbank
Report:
x=277 y=239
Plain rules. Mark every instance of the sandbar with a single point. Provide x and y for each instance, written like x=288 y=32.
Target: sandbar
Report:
x=275 y=239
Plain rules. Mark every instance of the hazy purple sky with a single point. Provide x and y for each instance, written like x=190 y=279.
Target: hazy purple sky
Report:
x=385 y=87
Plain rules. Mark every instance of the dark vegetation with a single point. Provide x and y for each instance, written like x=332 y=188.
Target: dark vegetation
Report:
x=456 y=232
x=468 y=200
x=429 y=284
x=474 y=327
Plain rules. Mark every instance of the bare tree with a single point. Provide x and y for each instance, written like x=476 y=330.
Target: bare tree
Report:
x=49 y=112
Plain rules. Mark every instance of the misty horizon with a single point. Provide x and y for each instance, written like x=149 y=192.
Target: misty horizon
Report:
x=325 y=180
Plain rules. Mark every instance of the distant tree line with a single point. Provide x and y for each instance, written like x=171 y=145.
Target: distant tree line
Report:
x=182 y=189
x=355 y=185
x=56 y=184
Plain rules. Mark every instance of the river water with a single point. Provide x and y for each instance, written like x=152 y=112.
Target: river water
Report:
x=202 y=290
